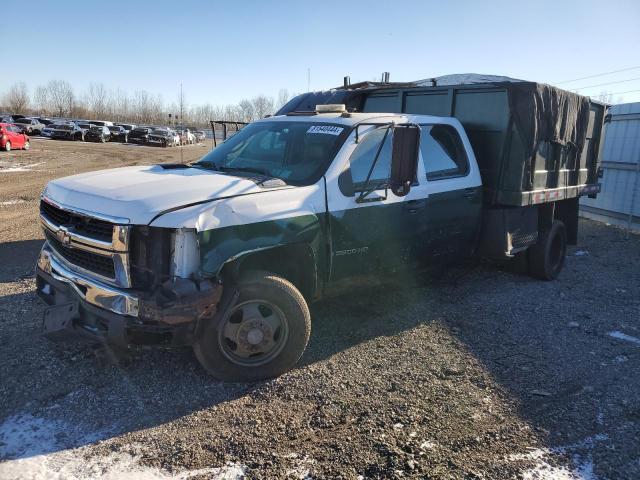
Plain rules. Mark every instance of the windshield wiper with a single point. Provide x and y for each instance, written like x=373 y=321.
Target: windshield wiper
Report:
x=207 y=165
x=257 y=170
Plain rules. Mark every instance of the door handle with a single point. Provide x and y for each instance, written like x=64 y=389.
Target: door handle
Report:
x=470 y=192
x=412 y=206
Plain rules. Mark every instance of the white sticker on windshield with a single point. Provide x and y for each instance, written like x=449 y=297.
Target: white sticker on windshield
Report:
x=326 y=129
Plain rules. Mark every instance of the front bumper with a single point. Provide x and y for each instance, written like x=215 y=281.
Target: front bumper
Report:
x=82 y=308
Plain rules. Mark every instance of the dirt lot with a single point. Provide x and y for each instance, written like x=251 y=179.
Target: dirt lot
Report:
x=478 y=373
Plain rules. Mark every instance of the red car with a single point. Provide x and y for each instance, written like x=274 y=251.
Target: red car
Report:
x=11 y=138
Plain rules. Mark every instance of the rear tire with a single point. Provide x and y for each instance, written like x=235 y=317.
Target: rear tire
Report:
x=261 y=335
x=26 y=146
x=546 y=257
x=7 y=146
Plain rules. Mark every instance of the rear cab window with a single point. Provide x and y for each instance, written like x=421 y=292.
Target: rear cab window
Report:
x=442 y=151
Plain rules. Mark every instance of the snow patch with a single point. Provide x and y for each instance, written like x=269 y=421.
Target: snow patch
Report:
x=36 y=448
x=77 y=465
x=544 y=468
x=544 y=471
x=623 y=336
x=20 y=168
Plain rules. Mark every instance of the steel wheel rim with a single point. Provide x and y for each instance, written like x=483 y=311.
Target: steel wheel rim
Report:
x=253 y=333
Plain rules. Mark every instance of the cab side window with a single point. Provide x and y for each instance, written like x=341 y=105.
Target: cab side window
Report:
x=364 y=154
x=443 y=153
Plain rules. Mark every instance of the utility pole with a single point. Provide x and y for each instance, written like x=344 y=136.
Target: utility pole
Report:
x=182 y=118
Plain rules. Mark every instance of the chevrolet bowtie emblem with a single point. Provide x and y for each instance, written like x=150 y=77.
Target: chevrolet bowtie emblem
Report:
x=63 y=236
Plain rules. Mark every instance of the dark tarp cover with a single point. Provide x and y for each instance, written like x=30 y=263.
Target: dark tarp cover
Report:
x=543 y=113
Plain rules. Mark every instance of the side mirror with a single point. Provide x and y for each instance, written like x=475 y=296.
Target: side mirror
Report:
x=404 y=158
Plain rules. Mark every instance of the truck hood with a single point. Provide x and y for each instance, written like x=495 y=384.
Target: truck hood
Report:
x=140 y=193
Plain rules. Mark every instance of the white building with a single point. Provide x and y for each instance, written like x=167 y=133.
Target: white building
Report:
x=619 y=201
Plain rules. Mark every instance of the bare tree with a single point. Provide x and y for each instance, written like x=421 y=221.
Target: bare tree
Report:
x=245 y=110
x=97 y=99
x=121 y=105
x=283 y=97
x=41 y=99
x=262 y=106
x=61 y=96
x=17 y=98
x=605 y=97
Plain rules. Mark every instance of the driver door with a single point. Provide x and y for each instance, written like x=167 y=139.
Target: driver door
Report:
x=376 y=234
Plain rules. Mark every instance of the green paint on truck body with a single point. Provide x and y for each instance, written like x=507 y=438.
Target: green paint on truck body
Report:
x=221 y=245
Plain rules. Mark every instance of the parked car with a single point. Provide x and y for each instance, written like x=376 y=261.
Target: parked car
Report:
x=140 y=135
x=163 y=137
x=12 y=138
x=118 y=133
x=101 y=123
x=98 y=134
x=46 y=121
x=47 y=131
x=68 y=131
x=186 y=137
x=30 y=126
x=201 y=136
x=127 y=126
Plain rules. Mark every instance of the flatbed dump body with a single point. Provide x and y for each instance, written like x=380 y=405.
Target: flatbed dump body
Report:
x=534 y=143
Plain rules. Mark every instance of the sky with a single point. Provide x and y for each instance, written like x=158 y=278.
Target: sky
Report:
x=223 y=52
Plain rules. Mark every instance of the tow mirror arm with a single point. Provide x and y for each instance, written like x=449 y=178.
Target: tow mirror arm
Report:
x=367 y=189
x=404 y=162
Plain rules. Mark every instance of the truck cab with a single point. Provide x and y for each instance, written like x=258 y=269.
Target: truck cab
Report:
x=226 y=253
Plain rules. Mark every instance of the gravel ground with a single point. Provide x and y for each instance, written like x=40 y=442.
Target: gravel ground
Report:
x=479 y=372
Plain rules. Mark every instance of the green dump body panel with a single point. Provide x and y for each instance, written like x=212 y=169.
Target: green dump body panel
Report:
x=510 y=175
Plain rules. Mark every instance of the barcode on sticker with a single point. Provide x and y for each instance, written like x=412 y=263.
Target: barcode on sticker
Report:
x=326 y=129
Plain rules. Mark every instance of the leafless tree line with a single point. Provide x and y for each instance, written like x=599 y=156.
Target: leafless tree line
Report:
x=58 y=98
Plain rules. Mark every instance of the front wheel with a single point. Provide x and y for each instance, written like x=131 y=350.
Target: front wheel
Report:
x=26 y=146
x=7 y=146
x=546 y=257
x=262 y=335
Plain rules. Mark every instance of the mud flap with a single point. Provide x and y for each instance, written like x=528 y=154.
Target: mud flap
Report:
x=57 y=322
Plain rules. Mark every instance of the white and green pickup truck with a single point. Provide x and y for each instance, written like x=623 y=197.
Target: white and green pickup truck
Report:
x=226 y=253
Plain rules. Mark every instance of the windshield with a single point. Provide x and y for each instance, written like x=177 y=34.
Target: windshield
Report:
x=114 y=129
x=296 y=152
x=64 y=127
x=23 y=120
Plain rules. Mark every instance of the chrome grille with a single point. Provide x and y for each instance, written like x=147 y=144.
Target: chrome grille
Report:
x=92 y=246
x=92 y=262
x=98 y=229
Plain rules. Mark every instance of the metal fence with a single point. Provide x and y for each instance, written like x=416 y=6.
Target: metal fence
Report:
x=619 y=201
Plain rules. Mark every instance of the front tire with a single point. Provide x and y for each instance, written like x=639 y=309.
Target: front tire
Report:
x=262 y=335
x=26 y=146
x=7 y=146
x=546 y=257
